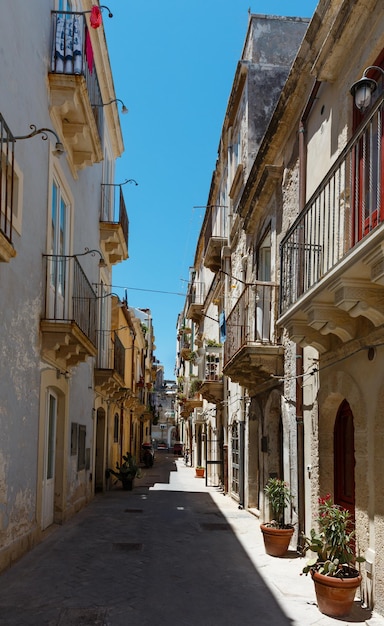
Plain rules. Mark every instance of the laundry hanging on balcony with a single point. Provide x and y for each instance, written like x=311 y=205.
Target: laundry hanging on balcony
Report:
x=223 y=327
x=89 y=51
x=68 y=51
x=95 y=17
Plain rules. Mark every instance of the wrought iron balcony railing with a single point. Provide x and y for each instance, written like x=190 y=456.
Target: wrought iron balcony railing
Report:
x=196 y=293
x=345 y=208
x=251 y=322
x=113 y=209
x=69 y=294
x=110 y=352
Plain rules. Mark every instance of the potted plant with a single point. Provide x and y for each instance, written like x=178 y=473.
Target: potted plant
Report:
x=333 y=566
x=199 y=470
x=212 y=343
x=276 y=533
x=126 y=472
x=195 y=385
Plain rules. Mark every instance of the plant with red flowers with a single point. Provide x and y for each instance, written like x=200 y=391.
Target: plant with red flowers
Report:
x=333 y=543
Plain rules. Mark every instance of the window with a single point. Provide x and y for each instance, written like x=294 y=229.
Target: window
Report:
x=116 y=428
x=368 y=162
x=10 y=185
x=74 y=437
x=264 y=265
x=64 y=5
x=58 y=246
x=59 y=221
x=81 y=458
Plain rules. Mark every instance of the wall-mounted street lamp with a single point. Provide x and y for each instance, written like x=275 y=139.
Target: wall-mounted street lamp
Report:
x=124 y=109
x=109 y=294
x=363 y=89
x=59 y=148
x=128 y=180
x=102 y=263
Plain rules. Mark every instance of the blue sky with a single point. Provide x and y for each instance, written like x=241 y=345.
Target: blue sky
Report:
x=173 y=64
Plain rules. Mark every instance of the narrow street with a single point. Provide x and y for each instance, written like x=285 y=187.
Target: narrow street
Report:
x=171 y=551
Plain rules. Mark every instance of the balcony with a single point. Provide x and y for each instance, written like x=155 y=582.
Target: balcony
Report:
x=189 y=405
x=214 y=239
x=332 y=258
x=110 y=367
x=7 y=192
x=252 y=352
x=212 y=386
x=75 y=97
x=69 y=324
x=195 y=301
x=114 y=225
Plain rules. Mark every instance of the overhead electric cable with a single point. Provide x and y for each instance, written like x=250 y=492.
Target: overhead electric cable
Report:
x=174 y=293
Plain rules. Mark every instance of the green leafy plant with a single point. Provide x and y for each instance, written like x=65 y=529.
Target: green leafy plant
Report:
x=127 y=471
x=280 y=497
x=333 y=543
x=212 y=343
x=195 y=385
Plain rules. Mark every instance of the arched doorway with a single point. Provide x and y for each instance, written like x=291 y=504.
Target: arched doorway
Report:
x=344 y=459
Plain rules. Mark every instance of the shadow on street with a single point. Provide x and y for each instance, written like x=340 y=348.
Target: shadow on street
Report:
x=144 y=557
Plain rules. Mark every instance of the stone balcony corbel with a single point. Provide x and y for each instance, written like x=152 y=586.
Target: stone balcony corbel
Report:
x=357 y=299
x=327 y=319
x=301 y=333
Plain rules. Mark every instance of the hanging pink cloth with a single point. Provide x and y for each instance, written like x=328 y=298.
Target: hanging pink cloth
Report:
x=95 y=18
x=88 y=51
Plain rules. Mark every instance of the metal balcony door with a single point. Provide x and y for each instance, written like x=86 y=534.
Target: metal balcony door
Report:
x=263 y=295
x=214 y=462
x=237 y=467
x=49 y=461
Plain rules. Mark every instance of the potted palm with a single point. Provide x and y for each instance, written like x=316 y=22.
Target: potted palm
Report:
x=126 y=471
x=333 y=568
x=277 y=534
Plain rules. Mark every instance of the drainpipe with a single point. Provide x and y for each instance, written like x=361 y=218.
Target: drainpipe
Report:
x=299 y=349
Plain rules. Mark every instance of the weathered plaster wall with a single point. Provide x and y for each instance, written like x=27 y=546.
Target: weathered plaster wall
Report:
x=23 y=381
x=342 y=381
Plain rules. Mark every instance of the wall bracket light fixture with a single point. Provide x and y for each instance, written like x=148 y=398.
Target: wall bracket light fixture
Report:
x=363 y=88
x=130 y=180
x=59 y=149
x=124 y=109
x=102 y=263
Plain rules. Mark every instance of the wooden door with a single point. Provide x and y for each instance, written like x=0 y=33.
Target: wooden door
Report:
x=344 y=459
x=49 y=461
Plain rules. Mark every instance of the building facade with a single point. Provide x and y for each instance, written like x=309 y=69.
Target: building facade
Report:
x=222 y=433
x=297 y=282
x=63 y=225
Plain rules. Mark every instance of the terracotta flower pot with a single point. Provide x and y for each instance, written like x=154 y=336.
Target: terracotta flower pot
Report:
x=335 y=596
x=276 y=540
x=199 y=472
